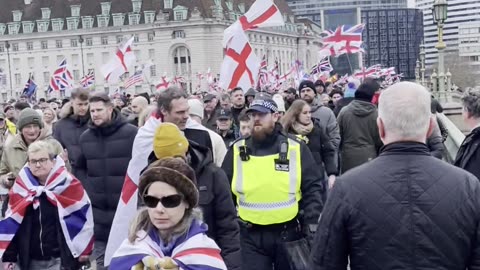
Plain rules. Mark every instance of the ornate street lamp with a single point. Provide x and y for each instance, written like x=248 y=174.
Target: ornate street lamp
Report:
x=439 y=13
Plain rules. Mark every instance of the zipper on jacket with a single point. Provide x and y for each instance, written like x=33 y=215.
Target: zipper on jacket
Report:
x=41 y=229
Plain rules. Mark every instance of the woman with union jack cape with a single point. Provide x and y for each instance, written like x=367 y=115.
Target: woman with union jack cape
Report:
x=49 y=221
x=169 y=233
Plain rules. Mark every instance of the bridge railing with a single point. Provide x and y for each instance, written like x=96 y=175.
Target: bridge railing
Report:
x=454 y=139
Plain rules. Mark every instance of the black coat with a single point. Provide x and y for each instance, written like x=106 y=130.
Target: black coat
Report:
x=312 y=178
x=403 y=210
x=106 y=152
x=67 y=132
x=22 y=245
x=199 y=136
x=468 y=156
x=322 y=149
x=229 y=138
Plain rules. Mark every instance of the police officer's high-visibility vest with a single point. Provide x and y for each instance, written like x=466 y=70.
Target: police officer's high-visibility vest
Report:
x=267 y=192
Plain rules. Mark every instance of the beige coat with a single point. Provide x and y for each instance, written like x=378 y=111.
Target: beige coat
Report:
x=14 y=154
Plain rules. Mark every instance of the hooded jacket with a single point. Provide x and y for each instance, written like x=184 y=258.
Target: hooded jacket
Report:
x=68 y=130
x=103 y=161
x=327 y=121
x=216 y=203
x=360 y=138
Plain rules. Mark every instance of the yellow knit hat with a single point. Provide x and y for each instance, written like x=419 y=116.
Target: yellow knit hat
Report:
x=169 y=141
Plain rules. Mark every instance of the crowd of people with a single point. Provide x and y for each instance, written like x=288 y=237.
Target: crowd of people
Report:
x=318 y=177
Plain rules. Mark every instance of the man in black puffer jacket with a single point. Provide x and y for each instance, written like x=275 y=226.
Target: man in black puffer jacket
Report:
x=215 y=197
x=405 y=209
x=106 y=149
x=74 y=122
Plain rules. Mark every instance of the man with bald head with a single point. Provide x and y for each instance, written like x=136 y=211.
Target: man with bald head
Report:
x=138 y=105
x=405 y=209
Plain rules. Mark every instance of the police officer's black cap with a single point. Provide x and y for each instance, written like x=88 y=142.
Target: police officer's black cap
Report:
x=263 y=106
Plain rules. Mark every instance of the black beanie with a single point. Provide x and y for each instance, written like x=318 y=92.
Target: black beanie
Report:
x=307 y=84
x=367 y=90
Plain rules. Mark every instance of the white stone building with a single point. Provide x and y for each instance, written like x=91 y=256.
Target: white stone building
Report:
x=175 y=37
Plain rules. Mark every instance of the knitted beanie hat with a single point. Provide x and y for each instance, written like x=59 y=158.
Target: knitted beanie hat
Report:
x=174 y=172
x=29 y=116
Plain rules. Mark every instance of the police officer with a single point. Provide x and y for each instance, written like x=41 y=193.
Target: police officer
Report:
x=277 y=189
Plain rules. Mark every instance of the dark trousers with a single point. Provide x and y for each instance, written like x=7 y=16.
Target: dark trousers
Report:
x=262 y=247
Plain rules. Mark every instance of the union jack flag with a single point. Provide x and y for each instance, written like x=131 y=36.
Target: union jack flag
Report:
x=66 y=193
x=137 y=77
x=387 y=72
x=345 y=39
x=323 y=66
x=88 y=80
x=61 y=78
x=371 y=72
x=197 y=251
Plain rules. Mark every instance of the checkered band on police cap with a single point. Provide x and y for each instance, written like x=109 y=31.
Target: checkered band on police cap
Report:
x=266 y=103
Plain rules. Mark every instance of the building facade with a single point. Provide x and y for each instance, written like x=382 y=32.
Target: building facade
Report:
x=312 y=8
x=392 y=38
x=469 y=44
x=171 y=37
x=459 y=12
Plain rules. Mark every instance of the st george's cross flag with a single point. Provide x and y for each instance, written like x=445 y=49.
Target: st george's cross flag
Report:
x=62 y=190
x=120 y=62
x=127 y=206
x=263 y=13
x=240 y=66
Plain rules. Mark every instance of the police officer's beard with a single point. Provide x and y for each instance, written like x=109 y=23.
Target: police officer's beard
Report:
x=263 y=133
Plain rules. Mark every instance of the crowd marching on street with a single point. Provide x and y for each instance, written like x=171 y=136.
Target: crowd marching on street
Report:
x=276 y=181
x=319 y=172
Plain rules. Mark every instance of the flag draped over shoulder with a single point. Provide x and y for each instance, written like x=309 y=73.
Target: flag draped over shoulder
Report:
x=198 y=252
x=127 y=206
x=63 y=190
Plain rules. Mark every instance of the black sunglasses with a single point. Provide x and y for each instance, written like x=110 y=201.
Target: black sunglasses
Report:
x=171 y=201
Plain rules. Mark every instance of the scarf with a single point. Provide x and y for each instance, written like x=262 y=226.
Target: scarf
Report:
x=194 y=251
x=302 y=129
x=62 y=190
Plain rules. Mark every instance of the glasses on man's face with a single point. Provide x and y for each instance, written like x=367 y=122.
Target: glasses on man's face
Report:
x=41 y=161
x=171 y=201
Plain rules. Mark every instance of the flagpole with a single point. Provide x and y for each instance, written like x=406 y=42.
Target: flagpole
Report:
x=350 y=64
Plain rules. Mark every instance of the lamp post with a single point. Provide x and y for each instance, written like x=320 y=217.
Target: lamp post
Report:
x=80 y=39
x=417 y=71
x=422 y=64
x=439 y=17
x=7 y=46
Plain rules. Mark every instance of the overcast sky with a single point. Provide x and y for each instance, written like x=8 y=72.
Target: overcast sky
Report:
x=411 y=3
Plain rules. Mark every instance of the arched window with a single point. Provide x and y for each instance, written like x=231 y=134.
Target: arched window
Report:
x=181 y=61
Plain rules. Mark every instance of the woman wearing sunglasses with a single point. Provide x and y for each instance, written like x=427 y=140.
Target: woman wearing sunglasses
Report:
x=169 y=233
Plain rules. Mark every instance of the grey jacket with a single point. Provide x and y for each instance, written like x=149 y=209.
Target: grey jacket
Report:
x=327 y=121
